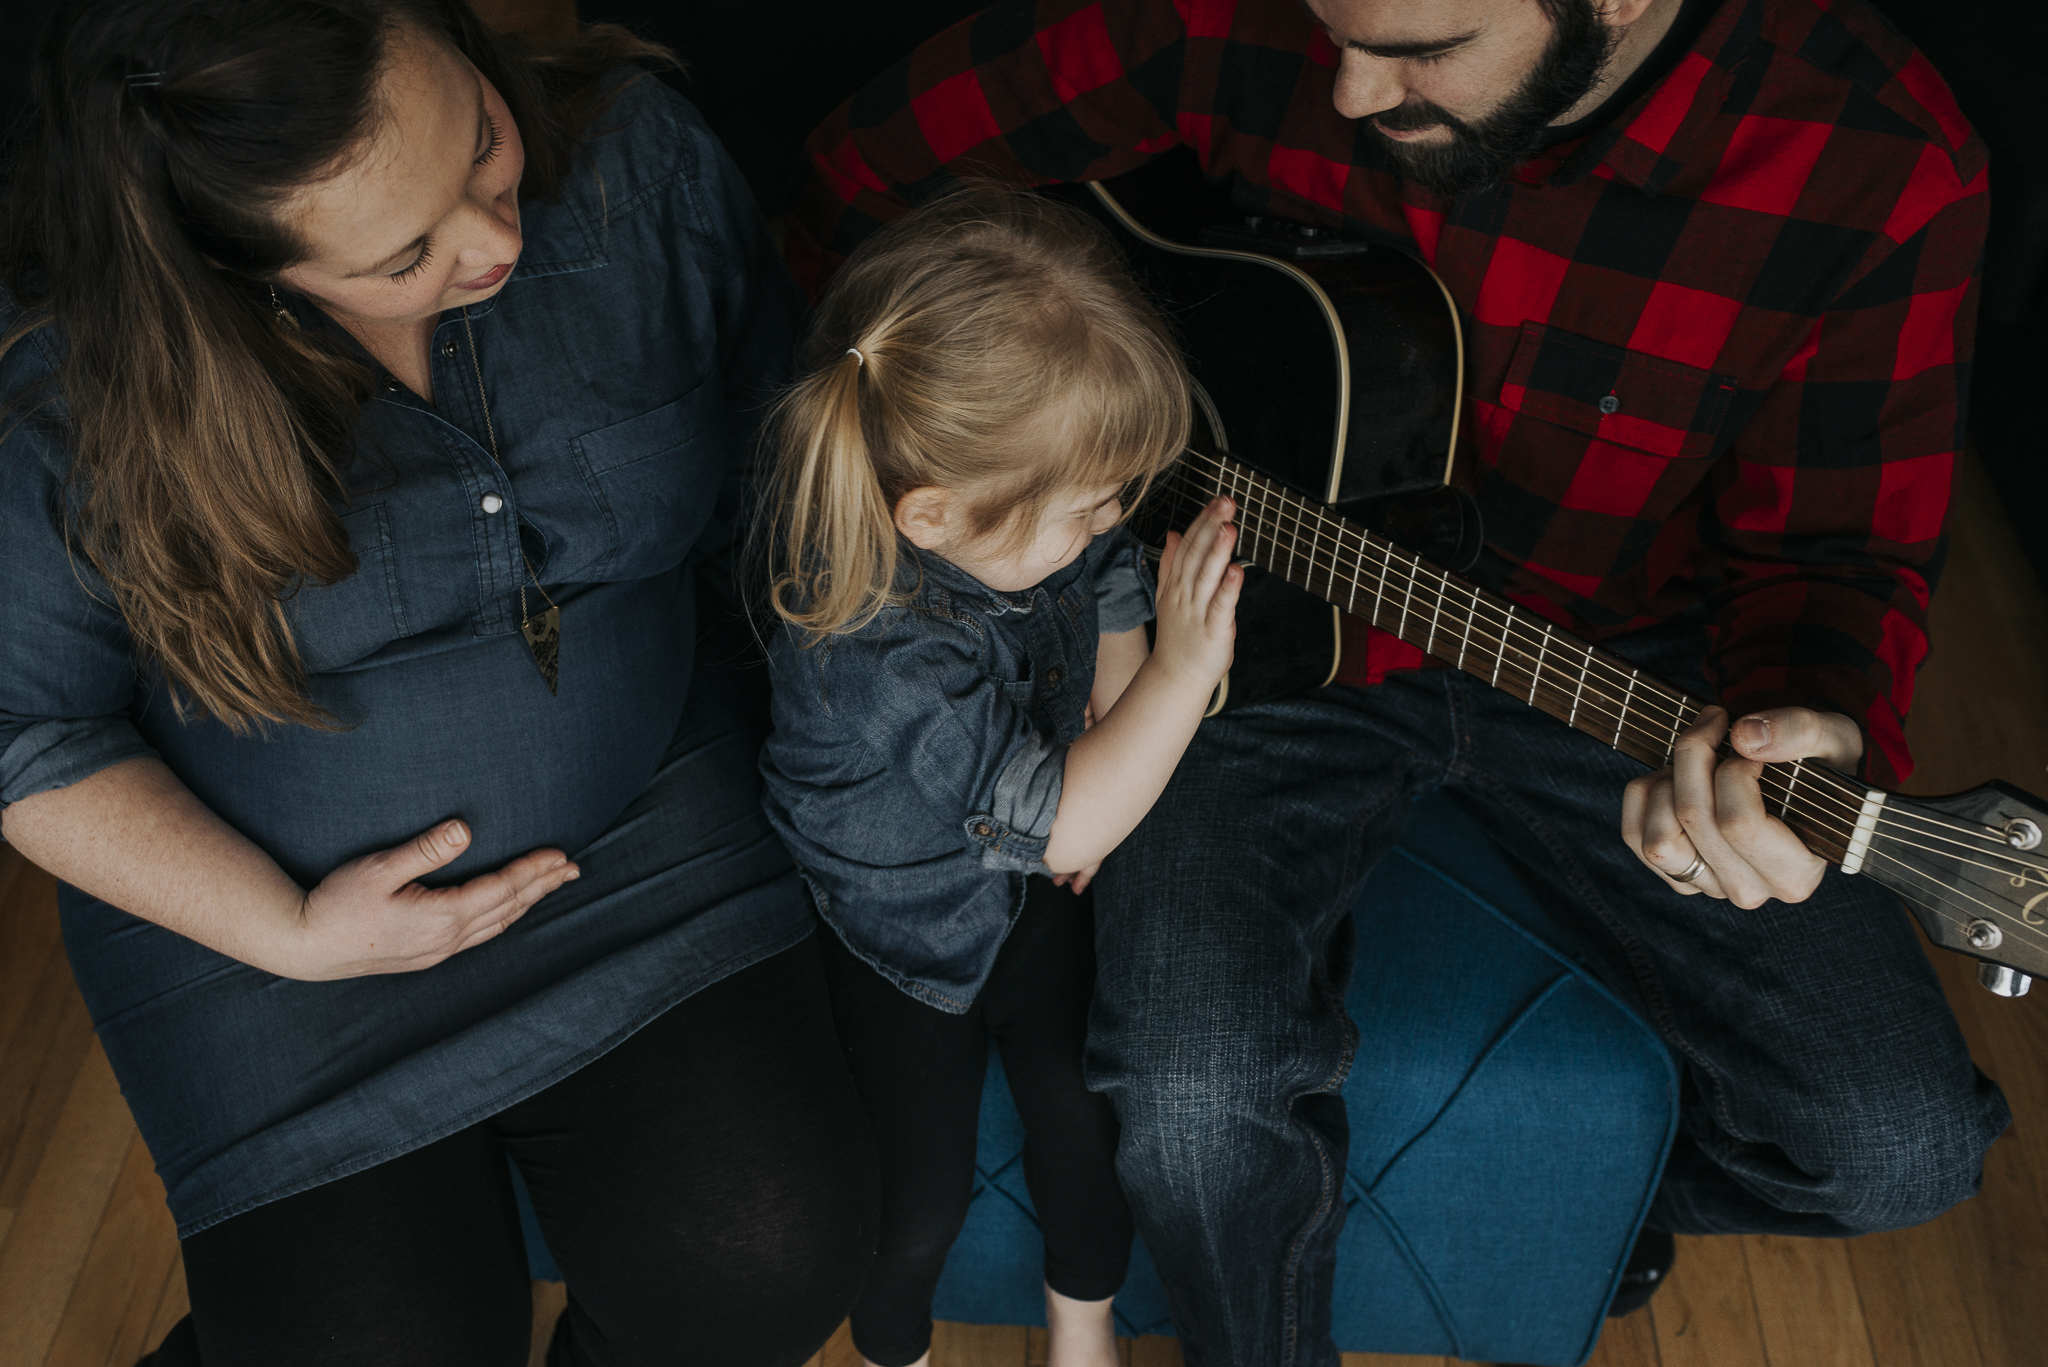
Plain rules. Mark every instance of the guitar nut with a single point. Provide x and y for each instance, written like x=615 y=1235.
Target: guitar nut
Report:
x=1983 y=935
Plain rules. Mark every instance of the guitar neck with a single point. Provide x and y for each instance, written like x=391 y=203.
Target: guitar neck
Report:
x=1486 y=636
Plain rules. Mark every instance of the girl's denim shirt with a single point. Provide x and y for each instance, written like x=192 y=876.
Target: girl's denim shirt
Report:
x=916 y=764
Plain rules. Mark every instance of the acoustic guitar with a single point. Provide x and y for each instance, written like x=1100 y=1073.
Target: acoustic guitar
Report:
x=1336 y=449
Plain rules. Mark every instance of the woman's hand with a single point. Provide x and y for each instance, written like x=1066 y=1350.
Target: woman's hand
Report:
x=372 y=916
x=1710 y=810
x=137 y=838
x=1197 y=598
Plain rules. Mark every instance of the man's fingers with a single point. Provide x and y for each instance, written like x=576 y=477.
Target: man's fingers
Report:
x=1784 y=734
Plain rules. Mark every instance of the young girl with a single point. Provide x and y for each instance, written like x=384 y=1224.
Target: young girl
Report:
x=966 y=709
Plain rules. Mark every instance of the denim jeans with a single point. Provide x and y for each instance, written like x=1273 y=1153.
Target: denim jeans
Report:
x=1827 y=1089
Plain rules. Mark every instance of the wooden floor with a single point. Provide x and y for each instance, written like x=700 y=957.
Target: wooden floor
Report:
x=89 y=1272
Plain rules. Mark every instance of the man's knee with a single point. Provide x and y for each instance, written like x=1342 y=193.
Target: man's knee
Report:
x=1913 y=1172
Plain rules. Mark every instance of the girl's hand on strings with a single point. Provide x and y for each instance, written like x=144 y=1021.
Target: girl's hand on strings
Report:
x=1198 y=589
x=1704 y=816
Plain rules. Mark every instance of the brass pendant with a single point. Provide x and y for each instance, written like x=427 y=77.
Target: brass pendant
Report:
x=543 y=633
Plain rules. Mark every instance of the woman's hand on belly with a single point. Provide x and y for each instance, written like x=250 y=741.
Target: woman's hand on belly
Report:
x=371 y=916
x=134 y=836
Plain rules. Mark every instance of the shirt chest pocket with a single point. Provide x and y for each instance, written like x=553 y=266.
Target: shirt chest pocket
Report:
x=655 y=480
x=335 y=625
x=1653 y=423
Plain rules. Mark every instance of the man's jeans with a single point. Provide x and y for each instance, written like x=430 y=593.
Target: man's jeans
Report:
x=1827 y=1089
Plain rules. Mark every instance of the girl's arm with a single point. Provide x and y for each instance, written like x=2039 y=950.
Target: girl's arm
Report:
x=1118 y=658
x=1118 y=768
x=135 y=837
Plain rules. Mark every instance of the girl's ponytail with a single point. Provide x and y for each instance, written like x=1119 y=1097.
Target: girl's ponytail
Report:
x=835 y=537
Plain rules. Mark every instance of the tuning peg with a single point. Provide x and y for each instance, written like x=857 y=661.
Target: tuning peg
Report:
x=2001 y=981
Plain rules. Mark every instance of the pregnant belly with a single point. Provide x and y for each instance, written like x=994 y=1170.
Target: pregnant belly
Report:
x=459 y=727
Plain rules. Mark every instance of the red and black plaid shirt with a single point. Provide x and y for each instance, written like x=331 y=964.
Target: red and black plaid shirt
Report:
x=1768 y=261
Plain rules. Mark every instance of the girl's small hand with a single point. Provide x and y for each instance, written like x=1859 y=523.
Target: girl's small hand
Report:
x=1078 y=882
x=371 y=916
x=1198 y=589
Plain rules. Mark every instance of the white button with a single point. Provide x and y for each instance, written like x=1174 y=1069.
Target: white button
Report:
x=492 y=503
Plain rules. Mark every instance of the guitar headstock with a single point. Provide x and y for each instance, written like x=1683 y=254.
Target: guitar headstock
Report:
x=1973 y=868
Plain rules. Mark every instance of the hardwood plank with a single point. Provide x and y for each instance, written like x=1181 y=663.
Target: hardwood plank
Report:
x=1912 y=1298
x=1154 y=1350
x=1807 y=1308
x=28 y=933
x=171 y=1306
x=839 y=1350
x=37 y=1073
x=115 y=1297
x=52 y=1233
x=549 y=1299
x=1037 y=1346
x=977 y=1345
x=1705 y=1316
x=1999 y=1243
x=1630 y=1341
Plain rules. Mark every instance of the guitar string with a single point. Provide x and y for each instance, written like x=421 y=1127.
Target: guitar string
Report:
x=1982 y=839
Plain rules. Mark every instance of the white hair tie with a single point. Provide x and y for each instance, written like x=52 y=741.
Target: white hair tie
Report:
x=854 y=352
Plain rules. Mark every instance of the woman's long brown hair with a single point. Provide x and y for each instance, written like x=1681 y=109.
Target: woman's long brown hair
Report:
x=208 y=444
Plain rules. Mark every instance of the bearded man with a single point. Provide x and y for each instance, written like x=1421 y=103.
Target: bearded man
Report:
x=1763 y=215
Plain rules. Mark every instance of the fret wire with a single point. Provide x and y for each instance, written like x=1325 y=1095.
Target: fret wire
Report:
x=1406 y=599
x=1577 y=693
x=1429 y=645
x=1630 y=693
x=1791 y=782
x=1540 y=651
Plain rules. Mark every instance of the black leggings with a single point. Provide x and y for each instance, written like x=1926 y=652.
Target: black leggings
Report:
x=920 y=1070
x=707 y=1188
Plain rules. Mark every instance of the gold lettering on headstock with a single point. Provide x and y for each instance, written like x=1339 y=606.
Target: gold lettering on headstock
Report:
x=2039 y=876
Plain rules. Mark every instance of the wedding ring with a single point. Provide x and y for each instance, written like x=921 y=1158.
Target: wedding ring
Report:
x=1690 y=872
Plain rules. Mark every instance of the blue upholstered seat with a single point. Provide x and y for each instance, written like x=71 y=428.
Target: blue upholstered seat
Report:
x=1509 y=1118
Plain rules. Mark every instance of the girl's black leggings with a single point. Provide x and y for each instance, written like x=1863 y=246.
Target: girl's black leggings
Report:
x=707 y=1188
x=919 y=1071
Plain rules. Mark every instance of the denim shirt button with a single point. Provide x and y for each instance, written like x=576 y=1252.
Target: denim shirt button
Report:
x=1053 y=677
x=982 y=828
x=448 y=348
x=490 y=503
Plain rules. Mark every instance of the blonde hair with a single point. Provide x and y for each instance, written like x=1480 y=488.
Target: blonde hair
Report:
x=940 y=353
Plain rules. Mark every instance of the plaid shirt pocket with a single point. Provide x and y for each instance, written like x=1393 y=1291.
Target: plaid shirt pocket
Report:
x=1614 y=395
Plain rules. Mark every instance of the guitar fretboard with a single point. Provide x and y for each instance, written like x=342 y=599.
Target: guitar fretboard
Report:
x=1485 y=635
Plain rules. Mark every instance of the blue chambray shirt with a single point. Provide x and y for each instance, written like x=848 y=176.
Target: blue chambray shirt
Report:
x=916 y=764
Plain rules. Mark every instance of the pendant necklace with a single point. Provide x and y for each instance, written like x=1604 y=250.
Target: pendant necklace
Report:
x=543 y=631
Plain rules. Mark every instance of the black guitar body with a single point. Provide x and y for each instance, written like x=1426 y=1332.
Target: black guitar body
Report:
x=1333 y=366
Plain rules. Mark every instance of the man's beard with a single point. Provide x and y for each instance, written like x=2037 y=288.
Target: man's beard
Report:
x=1481 y=152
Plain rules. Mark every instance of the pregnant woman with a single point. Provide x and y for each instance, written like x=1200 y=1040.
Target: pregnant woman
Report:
x=378 y=398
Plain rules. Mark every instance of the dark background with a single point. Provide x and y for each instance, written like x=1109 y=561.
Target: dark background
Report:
x=765 y=73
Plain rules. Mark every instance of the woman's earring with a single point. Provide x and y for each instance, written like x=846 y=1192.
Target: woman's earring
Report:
x=284 y=315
